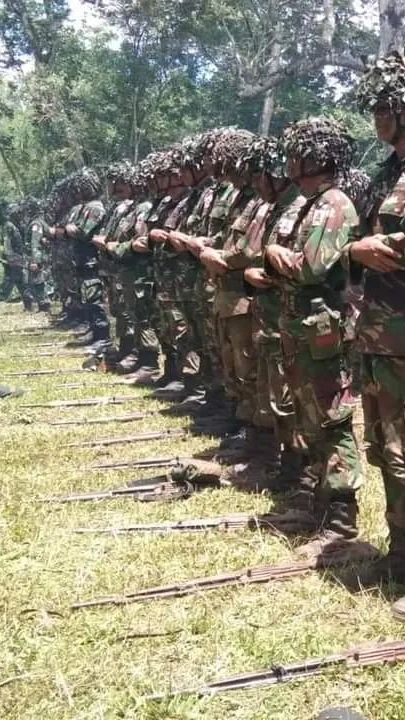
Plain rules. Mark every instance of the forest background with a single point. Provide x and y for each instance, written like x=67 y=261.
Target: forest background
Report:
x=141 y=74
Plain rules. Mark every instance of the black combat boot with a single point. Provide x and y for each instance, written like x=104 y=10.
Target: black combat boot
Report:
x=387 y=569
x=169 y=386
x=147 y=372
x=337 y=521
x=128 y=364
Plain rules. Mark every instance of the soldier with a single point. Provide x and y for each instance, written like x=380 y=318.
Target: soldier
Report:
x=120 y=192
x=380 y=257
x=37 y=246
x=136 y=276
x=82 y=223
x=58 y=206
x=225 y=263
x=304 y=258
x=273 y=405
x=15 y=274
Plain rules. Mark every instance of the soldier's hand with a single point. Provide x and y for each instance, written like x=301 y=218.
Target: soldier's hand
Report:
x=158 y=236
x=99 y=242
x=71 y=229
x=213 y=262
x=33 y=267
x=257 y=277
x=282 y=259
x=177 y=245
x=111 y=246
x=59 y=232
x=373 y=253
x=140 y=245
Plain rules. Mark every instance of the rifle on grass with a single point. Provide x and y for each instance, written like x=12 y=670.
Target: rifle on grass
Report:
x=103 y=420
x=88 y=402
x=141 y=437
x=362 y=656
x=147 y=490
x=82 y=386
x=272 y=522
x=161 y=487
x=154 y=462
x=39 y=373
x=246 y=576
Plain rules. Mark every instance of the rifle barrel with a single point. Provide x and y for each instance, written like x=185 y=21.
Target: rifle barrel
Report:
x=142 y=437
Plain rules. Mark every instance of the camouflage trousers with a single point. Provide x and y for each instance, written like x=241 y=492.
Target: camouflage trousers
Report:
x=116 y=306
x=175 y=335
x=64 y=273
x=323 y=405
x=273 y=407
x=92 y=297
x=384 y=418
x=239 y=362
x=206 y=332
x=140 y=314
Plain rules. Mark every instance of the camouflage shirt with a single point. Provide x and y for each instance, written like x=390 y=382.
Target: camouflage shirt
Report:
x=88 y=218
x=381 y=326
x=241 y=242
x=317 y=230
x=13 y=251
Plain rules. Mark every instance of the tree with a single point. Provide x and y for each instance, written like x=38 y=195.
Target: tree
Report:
x=392 y=25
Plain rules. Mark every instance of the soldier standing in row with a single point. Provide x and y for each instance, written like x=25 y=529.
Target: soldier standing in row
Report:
x=381 y=337
x=305 y=259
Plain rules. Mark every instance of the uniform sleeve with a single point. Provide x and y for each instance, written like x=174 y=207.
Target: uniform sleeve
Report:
x=37 y=248
x=13 y=243
x=328 y=235
x=90 y=219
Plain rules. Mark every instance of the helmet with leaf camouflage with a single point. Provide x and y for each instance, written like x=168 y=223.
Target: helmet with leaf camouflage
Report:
x=85 y=183
x=128 y=174
x=355 y=184
x=263 y=155
x=322 y=140
x=229 y=148
x=383 y=84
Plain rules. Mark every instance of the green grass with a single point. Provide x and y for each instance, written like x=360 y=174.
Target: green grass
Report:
x=99 y=664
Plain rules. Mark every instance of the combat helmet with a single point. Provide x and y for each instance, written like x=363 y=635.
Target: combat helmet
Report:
x=125 y=172
x=263 y=155
x=85 y=183
x=229 y=147
x=322 y=140
x=383 y=84
x=355 y=183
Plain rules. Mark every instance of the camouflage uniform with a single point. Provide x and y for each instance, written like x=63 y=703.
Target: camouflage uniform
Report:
x=273 y=403
x=110 y=272
x=88 y=218
x=39 y=253
x=15 y=264
x=136 y=275
x=317 y=231
x=380 y=333
x=380 y=329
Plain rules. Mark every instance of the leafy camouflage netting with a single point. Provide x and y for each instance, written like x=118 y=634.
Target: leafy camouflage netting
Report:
x=120 y=172
x=320 y=139
x=263 y=155
x=86 y=183
x=383 y=84
x=229 y=147
x=355 y=184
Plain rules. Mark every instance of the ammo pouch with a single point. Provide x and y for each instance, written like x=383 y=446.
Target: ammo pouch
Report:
x=323 y=333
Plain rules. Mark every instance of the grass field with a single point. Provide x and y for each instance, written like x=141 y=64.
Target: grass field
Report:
x=100 y=664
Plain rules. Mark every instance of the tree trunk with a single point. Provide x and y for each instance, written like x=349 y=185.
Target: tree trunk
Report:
x=267 y=113
x=392 y=25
